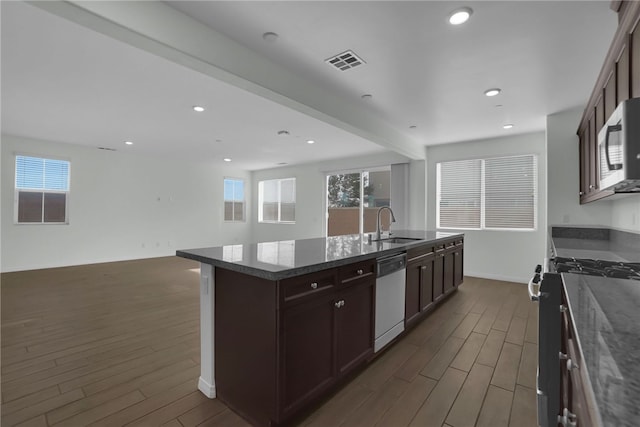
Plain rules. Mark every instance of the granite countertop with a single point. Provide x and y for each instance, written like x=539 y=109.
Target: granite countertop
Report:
x=606 y=317
x=288 y=258
x=596 y=243
x=605 y=313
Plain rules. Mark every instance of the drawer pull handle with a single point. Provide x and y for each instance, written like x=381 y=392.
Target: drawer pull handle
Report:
x=563 y=308
x=360 y=272
x=314 y=285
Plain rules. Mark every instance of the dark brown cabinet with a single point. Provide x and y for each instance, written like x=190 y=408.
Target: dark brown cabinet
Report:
x=619 y=80
x=576 y=401
x=327 y=335
x=307 y=351
x=432 y=273
x=419 y=283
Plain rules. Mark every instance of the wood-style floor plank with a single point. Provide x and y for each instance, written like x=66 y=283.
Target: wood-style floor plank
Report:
x=118 y=343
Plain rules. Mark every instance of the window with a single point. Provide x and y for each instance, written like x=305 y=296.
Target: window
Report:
x=496 y=193
x=233 y=199
x=42 y=190
x=277 y=200
x=353 y=200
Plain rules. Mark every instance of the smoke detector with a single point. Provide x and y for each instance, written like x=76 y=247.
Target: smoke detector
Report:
x=345 y=61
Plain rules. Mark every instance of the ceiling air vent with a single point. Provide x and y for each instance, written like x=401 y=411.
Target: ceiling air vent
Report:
x=345 y=61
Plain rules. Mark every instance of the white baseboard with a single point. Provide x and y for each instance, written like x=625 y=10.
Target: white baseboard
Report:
x=207 y=389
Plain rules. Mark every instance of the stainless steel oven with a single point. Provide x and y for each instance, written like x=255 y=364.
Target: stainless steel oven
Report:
x=549 y=297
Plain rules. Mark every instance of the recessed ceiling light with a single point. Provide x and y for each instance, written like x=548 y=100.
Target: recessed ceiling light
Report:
x=283 y=132
x=413 y=127
x=128 y=142
x=507 y=126
x=310 y=141
x=493 y=91
x=460 y=16
x=367 y=96
x=270 y=36
x=198 y=108
x=226 y=159
x=282 y=163
x=498 y=105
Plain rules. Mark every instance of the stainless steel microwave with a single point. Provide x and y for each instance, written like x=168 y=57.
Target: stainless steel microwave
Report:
x=619 y=149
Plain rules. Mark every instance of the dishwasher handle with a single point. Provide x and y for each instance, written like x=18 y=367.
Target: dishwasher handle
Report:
x=386 y=266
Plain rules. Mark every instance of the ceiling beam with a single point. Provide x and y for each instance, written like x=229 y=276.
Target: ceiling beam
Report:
x=169 y=33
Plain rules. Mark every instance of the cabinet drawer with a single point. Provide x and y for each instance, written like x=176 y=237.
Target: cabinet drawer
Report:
x=359 y=270
x=299 y=288
x=420 y=251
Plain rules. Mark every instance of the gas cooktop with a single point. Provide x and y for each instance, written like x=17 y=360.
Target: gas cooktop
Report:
x=594 y=267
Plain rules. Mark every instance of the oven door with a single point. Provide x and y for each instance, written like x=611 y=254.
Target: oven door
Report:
x=549 y=297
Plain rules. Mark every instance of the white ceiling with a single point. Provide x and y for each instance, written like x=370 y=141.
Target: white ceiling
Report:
x=63 y=82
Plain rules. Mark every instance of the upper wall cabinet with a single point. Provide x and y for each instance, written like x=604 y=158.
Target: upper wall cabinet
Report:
x=619 y=80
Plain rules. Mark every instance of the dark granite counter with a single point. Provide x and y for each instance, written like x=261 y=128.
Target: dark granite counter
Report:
x=596 y=243
x=606 y=316
x=605 y=313
x=288 y=258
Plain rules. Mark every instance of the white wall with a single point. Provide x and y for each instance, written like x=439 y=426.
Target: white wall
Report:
x=625 y=213
x=417 y=195
x=310 y=195
x=501 y=255
x=621 y=212
x=119 y=202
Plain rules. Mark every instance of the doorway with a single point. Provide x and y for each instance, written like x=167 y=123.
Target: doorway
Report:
x=353 y=200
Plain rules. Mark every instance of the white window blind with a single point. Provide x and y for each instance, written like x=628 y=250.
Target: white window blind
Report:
x=510 y=192
x=41 y=190
x=277 y=200
x=494 y=193
x=459 y=194
x=233 y=199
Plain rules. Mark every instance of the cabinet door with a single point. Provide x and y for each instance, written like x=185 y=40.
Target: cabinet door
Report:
x=594 y=178
x=438 y=275
x=610 y=95
x=458 y=260
x=412 y=292
x=584 y=161
x=426 y=284
x=354 y=310
x=635 y=62
x=307 y=351
x=622 y=77
x=448 y=271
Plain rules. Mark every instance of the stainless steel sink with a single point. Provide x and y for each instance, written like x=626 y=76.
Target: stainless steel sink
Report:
x=399 y=240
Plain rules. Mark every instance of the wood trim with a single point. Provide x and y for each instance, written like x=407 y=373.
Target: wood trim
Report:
x=626 y=25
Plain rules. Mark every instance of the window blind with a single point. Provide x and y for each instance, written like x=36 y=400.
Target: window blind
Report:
x=493 y=193
x=510 y=192
x=33 y=173
x=459 y=194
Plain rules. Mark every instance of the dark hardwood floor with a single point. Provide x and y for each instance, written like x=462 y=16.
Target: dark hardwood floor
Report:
x=118 y=344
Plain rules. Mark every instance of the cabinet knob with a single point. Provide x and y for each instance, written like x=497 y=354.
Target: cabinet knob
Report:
x=571 y=365
x=563 y=356
x=339 y=304
x=457 y=253
x=359 y=272
x=563 y=308
x=424 y=267
x=314 y=285
x=591 y=187
x=580 y=193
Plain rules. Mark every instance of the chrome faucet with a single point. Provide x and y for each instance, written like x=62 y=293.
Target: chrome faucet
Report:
x=378 y=226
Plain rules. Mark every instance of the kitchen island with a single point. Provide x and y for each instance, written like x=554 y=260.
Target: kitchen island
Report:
x=284 y=322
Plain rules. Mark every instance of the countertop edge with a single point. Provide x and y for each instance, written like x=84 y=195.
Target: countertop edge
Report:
x=298 y=271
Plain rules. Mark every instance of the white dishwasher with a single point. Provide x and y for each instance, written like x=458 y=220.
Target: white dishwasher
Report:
x=390 y=299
